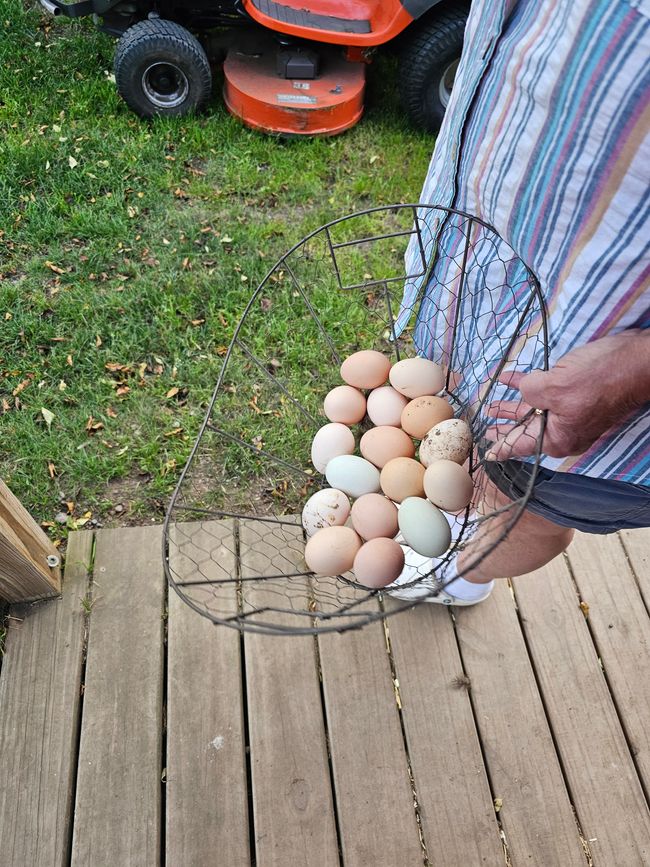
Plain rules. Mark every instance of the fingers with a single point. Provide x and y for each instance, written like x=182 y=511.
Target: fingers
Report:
x=513 y=441
x=511 y=378
x=511 y=409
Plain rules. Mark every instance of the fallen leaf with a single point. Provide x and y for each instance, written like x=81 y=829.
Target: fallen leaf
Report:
x=54 y=268
x=123 y=389
x=21 y=387
x=110 y=412
x=196 y=322
x=98 y=341
x=72 y=162
x=174 y=433
x=225 y=239
x=498 y=803
x=69 y=360
x=92 y=426
x=172 y=392
x=51 y=469
x=585 y=608
x=48 y=416
x=266 y=304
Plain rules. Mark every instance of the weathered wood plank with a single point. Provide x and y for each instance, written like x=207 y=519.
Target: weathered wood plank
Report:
x=604 y=785
x=40 y=690
x=621 y=628
x=207 y=805
x=443 y=744
x=637 y=547
x=536 y=812
x=118 y=803
x=24 y=549
x=374 y=799
x=292 y=795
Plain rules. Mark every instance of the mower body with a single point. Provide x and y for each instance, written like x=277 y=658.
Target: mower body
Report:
x=293 y=68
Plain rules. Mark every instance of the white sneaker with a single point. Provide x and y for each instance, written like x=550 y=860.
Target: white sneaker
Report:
x=418 y=583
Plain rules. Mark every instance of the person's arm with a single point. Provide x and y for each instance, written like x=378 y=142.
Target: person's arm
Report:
x=590 y=390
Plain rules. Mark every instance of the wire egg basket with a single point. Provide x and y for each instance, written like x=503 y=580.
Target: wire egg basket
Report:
x=233 y=539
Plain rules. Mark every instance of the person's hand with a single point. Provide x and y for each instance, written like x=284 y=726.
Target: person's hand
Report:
x=589 y=390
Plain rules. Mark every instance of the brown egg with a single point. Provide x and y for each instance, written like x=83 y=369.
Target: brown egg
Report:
x=415 y=377
x=379 y=562
x=385 y=406
x=331 y=551
x=374 y=515
x=381 y=444
x=448 y=485
x=420 y=415
x=365 y=369
x=402 y=478
x=345 y=405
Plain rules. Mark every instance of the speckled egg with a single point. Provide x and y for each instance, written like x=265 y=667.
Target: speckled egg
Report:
x=326 y=508
x=332 y=550
x=402 y=478
x=381 y=444
x=424 y=527
x=365 y=369
x=415 y=377
x=422 y=413
x=353 y=475
x=345 y=405
x=385 y=405
x=448 y=485
x=331 y=441
x=378 y=563
x=373 y=516
x=449 y=440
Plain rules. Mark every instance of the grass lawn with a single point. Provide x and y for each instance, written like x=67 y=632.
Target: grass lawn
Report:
x=128 y=250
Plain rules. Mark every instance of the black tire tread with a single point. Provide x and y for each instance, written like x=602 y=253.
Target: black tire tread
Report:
x=169 y=35
x=416 y=60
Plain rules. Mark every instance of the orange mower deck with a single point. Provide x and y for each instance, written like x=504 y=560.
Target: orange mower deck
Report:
x=326 y=105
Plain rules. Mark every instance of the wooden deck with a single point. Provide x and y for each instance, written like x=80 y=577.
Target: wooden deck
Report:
x=133 y=732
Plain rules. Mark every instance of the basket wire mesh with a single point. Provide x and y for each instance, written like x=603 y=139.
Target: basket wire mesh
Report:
x=233 y=541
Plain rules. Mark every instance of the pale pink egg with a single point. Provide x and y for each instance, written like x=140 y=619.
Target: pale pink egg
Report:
x=365 y=369
x=385 y=406
x=378 y=563
x=345 y=405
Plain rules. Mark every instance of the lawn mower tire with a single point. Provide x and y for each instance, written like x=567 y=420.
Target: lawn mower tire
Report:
x=427 y=66
x=161 y=69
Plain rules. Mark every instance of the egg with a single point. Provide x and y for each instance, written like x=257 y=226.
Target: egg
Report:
x=332 y=550
x=330 y=441
x=402 y=478
x=385 y=405
x=353 y=475
x=422 y=413
x=448 y=485
x=449 y=440
x=365 y=369
x=326 y=508
x=345 y=405
x=374 y=515
x=381 y=444
x=415 y=377
x=424 y=527
x=378 y=563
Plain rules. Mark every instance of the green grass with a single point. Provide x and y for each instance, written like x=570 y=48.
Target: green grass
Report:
x=127 y=252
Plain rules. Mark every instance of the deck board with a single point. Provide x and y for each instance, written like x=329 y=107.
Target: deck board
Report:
x=40 y=689
x=443 y=743
x=536 y=811
x=539 y=711
x=207 y=802
x=601 y=776
x=292 y=793
x=118 y=803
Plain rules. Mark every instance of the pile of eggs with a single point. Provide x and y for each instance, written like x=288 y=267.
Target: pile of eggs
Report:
x=385 y=497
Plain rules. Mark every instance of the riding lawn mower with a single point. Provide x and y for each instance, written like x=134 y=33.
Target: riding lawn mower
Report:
x=290 y=68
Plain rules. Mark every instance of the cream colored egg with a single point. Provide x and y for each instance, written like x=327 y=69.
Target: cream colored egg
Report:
x=330 y=441
x=326 y=508
x=378 y=563
x=332 y=550
x=381 y=444
x=449 y=440
x=353 y=475
x=422 y=413
x=448 y=485
x=373 y=516
x=345 y=405
x=415 y=377
x=402 y=478
x=365 y=369
x=385 y=406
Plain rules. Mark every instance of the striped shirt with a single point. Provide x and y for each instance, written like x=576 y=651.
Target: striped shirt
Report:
x=547 y=138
